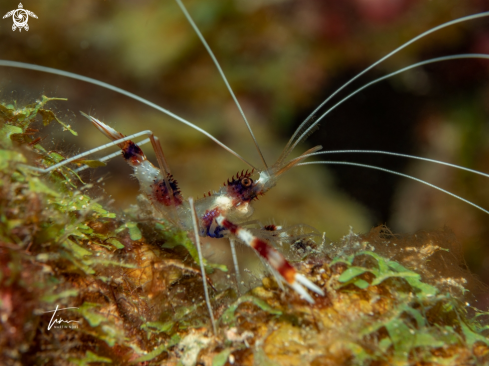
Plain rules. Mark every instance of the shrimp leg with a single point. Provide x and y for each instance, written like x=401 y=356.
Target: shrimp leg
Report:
x=277 y=261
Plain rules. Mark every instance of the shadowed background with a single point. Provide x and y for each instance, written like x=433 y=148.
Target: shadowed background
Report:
x=282 y=59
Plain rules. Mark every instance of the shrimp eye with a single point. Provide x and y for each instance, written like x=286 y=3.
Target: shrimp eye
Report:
x=246 y=182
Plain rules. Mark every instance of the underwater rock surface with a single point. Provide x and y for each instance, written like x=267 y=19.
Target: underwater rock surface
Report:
x=128 y=289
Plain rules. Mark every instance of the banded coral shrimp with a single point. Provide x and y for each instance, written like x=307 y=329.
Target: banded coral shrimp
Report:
x=107 y=119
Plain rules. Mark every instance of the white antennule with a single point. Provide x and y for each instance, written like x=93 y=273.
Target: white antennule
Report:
x=71 y=75
x=211 y=54
x=396 y=173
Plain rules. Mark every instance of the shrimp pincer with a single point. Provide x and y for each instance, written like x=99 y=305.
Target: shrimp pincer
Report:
x=219 y=213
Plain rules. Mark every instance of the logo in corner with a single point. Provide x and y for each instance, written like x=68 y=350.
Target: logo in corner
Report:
x=60 y=322
x=20 y=17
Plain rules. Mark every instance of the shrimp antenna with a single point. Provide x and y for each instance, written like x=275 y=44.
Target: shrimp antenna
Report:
x=309 y=119
x=211 y=54
x=308 y=130
x=395 y=154
x=71 y=75
x=396 y=173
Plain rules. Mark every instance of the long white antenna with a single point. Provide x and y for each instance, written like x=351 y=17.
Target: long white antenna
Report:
x=396 y=173
x=438 y=59
x=441 y=26
x=204 y=42
x=71 y=75
x=397 y=154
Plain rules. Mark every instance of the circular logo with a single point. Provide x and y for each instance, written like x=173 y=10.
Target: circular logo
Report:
x=20 y=18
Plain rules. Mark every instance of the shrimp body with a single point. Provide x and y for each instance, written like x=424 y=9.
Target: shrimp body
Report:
x=219 y=213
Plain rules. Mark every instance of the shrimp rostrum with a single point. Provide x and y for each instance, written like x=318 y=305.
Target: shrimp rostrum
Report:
x=220 y=213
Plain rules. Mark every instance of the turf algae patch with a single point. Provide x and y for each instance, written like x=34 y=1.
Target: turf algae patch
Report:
x=130 y=292
x=122 y=298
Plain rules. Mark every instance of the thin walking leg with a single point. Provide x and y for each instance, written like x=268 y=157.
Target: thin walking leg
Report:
x=236 y=265
x=201 y=260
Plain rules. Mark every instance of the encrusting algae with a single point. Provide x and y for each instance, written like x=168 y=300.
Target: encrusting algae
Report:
x=135 y=291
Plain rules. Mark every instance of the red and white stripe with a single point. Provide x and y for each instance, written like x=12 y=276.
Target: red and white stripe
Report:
x=275 y=258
